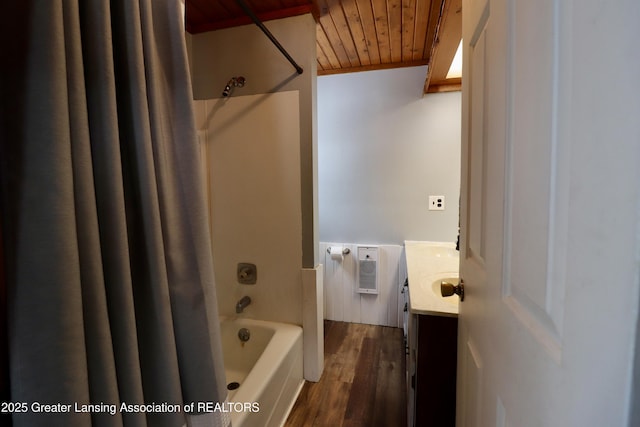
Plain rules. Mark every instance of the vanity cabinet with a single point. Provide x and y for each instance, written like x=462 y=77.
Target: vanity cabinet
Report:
x=432 y=370
x=431 y=334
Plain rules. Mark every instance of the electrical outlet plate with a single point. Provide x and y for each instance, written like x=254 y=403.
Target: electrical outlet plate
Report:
x=436 y=203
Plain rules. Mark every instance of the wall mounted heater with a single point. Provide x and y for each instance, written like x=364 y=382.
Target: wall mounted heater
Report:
x=368 y=257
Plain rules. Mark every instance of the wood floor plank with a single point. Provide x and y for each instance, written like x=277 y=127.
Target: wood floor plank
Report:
x=390 y=403
x=363 y=383
x=307 y=410
x=349 y=351
x=363 y=389
x=334 y=405
x=335 y=333
x=303 y=413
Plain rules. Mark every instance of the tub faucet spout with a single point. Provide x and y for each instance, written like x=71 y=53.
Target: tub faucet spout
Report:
x=244 y=301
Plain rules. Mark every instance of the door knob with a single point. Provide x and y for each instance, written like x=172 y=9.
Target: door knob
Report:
x=447 y=289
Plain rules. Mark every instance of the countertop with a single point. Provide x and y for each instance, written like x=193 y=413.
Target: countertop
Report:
x=428 y=263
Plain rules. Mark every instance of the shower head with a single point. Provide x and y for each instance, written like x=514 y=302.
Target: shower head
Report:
x=233 y=82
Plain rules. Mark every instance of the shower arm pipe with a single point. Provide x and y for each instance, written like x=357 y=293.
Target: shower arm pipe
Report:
x=266 y=31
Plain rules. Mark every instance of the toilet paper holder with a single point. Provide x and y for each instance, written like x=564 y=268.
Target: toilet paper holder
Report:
x=345 y=251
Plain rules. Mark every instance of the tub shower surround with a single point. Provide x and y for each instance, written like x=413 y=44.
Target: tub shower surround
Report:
x=252 y=159
x=250 y=148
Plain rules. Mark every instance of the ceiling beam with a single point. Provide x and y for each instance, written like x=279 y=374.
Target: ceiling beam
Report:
x=445 y=44
x=448 y=85
x=372 y=67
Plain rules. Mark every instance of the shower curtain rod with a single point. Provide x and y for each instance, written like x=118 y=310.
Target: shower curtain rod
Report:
x=266 y=31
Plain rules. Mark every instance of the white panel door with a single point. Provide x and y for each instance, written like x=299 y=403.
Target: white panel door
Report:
x=549 y=212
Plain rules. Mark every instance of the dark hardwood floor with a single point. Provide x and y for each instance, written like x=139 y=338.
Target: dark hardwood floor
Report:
x=363 y=383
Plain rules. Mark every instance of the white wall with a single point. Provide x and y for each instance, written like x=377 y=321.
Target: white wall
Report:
x=383 y=149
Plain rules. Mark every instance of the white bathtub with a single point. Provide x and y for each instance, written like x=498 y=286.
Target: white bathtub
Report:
x=268 y=368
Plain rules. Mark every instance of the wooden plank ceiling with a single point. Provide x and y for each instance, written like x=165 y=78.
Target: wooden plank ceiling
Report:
x=357 y=35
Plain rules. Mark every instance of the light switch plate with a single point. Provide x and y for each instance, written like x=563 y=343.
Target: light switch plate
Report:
x=436 y=203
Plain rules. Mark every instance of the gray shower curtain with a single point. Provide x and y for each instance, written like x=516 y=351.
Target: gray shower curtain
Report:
x=109 y=275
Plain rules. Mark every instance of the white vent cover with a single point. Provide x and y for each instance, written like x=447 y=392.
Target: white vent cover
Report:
x=368 y=269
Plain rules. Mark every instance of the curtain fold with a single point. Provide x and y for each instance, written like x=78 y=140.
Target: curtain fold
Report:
x=4 y=359
x=110 y=277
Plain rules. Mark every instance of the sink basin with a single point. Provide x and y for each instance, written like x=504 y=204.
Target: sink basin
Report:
x=428 y=264
x=435 y=287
